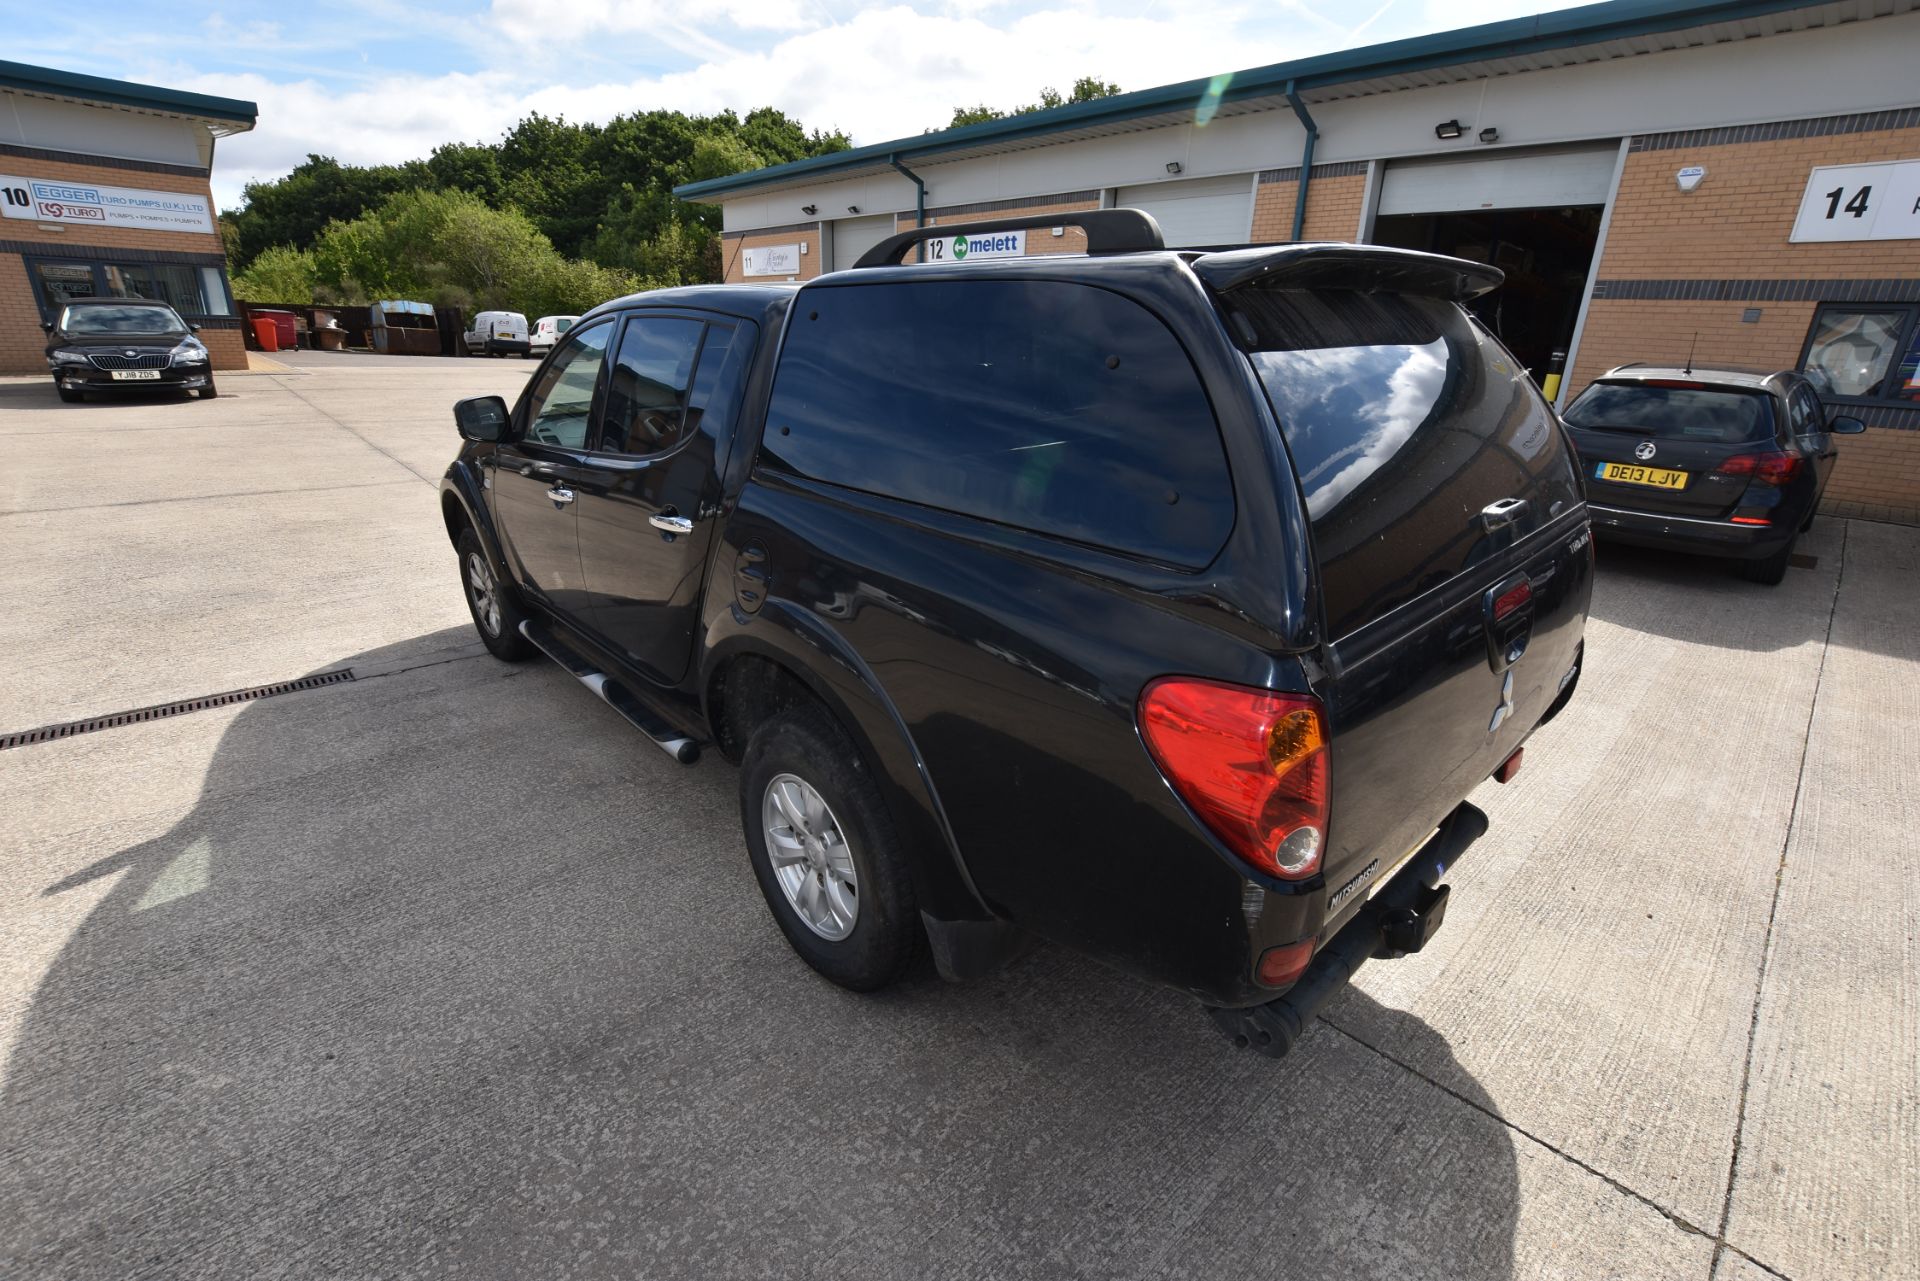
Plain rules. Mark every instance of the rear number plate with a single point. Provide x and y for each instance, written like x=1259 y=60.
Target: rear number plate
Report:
x=136 y=375
x=1631 y=474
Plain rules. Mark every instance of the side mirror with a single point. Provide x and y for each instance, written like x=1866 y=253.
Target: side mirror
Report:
x=47 y=325
x=1845 y=425
x=481 y=417
x=192 y=328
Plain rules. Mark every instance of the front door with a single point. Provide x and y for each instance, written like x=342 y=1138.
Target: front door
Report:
x=537 y=472
x=647 y=502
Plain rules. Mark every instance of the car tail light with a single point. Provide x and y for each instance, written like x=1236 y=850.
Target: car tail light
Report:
x=1251 y=763
x=1771 y=468
x=1280 y=966
x=1752 y=520
x=1512 y=599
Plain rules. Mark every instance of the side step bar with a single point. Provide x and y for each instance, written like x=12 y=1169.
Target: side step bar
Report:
x=612 y=692
x=1399 y=920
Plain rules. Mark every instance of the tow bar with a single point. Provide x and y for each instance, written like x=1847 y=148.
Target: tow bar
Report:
x=1399 y=920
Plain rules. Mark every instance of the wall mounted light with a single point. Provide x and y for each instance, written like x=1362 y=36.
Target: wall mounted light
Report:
x=1173 y=166
x=853 y=208
x=1489 y=134
x=1448 y=129
x=809 y=210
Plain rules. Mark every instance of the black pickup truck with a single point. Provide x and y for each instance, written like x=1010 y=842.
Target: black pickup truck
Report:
x=1166 y=605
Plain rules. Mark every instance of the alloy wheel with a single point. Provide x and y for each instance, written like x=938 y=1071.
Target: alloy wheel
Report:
x=810 y=857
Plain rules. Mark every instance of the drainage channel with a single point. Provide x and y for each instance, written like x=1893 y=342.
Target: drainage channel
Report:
x=160 y=711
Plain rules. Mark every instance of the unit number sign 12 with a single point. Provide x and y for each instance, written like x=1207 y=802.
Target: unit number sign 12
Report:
x=1861 y=202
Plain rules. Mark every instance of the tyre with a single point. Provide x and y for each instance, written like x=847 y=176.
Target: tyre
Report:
x=70 y=396
x=1769 y=571
x=824 y=850
x=496 y=613
x=210 y=391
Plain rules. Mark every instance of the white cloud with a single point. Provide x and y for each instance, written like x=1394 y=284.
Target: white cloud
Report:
x=885 y=72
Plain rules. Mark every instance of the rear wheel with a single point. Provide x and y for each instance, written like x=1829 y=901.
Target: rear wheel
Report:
x=1771 y=569
x=496 y=613
x=824 y=850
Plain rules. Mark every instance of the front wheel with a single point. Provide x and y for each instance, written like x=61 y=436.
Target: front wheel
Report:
x=211 y=392
x=496 y=614
x=824 y=851
x=69 y=395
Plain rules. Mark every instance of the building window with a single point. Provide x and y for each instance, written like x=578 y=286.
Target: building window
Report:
x=1865 y=352
x=191 y=291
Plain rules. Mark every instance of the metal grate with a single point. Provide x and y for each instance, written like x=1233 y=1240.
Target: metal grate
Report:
x=114 y=360
x=47 y=733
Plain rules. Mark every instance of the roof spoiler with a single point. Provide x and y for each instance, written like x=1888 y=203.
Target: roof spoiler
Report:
x=1369 y=268
x=1109 y=231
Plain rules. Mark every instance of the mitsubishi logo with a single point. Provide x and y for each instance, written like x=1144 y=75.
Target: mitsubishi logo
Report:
x=1505 y=709
x=1643 y=450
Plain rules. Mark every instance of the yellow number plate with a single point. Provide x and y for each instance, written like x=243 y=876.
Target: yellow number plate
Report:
x=1632 y=474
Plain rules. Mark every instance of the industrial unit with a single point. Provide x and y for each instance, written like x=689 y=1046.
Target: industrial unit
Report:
x=1736 y=180
x=104 y=192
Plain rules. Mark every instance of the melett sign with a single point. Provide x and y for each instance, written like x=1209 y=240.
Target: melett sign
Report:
x=39 y=200
x=1000 y=244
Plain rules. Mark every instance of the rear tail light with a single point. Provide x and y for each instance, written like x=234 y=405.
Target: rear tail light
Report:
x=1251 y=763
x=1752 y=520
x=1771 y=468
x=1512 y=599
x=1509 y=767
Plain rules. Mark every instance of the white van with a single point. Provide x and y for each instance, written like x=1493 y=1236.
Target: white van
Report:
x=496 y=333
x=547 y=331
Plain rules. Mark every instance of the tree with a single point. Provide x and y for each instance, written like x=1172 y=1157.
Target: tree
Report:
x=1085 y=89
x=282 y=274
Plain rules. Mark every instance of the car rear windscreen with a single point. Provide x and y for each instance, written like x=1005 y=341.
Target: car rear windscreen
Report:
x=1712 y=415
x=1405 y=420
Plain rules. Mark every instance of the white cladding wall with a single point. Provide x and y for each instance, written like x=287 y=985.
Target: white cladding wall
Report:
x=1861 y=66
x=52 y=125
x=1200 y=211
x=1503 y=179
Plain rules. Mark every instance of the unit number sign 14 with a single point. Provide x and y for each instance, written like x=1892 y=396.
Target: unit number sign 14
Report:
x=1861 y=202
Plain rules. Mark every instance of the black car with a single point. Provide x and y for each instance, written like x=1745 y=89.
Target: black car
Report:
x=1722 y=462
x=125 y=344
x=1164 y=605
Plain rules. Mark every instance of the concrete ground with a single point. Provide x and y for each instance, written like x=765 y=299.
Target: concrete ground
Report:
x=444 y=972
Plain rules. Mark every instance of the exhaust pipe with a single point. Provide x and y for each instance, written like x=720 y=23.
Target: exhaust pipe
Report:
x=1399 y=921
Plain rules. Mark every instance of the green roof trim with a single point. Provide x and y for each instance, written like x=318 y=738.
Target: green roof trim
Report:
x=124 y=93
x=1567 y=28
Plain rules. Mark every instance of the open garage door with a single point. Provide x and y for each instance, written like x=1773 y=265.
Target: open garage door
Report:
x=1549 y=178
x=1196 y=211
x=854 y=236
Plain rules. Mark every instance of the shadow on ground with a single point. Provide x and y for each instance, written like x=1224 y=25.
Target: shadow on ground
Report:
x=446 y=973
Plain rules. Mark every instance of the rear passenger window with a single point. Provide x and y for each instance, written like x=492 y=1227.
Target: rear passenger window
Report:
x=647 y=390
x=1049 y=406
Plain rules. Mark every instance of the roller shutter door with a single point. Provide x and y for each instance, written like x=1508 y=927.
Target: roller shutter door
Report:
x=854 y=236
x=1197 y=211
x=1549 y=178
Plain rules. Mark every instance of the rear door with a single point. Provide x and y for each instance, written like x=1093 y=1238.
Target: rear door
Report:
x=651 y=487
x=1437 y=484
x=1653 y=445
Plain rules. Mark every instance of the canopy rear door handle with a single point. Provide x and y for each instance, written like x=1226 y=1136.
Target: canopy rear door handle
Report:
x=560 y=495
x=669 y=523
x=1496 y=515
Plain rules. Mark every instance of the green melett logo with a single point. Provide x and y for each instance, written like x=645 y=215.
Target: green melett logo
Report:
x=959 y=247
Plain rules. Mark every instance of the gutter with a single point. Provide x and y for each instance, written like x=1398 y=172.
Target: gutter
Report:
x=1306 y=160
x=919 y=201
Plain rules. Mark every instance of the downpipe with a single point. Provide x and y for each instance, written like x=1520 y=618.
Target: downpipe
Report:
x=1399 y=920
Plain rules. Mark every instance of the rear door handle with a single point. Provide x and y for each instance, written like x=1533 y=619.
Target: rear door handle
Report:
x=1496 y=515
x=560 y=495
x=669 y=523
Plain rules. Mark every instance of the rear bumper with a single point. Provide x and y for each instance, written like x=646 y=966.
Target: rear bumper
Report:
x=1399 y=919
x=1691 y=534
x=508 y=346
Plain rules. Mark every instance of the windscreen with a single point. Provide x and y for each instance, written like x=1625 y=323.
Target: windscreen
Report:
x=121 y=320
x=1405 y=420
x=1712 y=415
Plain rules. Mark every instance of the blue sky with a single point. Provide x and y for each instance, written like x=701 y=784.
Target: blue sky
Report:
x=379 y=80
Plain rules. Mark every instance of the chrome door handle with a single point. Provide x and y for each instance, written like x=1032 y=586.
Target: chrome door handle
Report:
x=561 y=495
x=671 y=524
x=1495 y=515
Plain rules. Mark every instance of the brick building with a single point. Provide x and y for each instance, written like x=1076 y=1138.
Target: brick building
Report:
x=104 y=191
x=1653 y=178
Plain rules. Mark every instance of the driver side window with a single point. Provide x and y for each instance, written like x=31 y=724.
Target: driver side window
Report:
x=561 y=404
